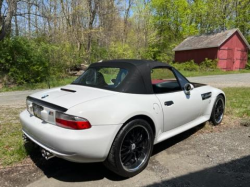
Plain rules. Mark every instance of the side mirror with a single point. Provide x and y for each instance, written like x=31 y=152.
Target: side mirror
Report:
x=187 y=88
x=113 y=80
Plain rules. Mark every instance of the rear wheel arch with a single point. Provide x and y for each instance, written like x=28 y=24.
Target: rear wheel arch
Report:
x=144 y=117
x=141 y=116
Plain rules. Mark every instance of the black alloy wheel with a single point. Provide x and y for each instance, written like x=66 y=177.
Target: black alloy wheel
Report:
x=135 y=148
x=218 y=110
x=131 y=149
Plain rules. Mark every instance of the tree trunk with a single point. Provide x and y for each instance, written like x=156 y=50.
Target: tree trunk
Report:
x=36 y=19
x=6 y=23
x=92 y=14
x=1 y=16
x=16 y=23
x=126 y=20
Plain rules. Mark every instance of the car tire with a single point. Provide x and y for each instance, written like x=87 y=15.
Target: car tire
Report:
x=131 y=149
x=218 y=110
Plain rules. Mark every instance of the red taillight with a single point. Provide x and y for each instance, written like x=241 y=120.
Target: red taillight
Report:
x=71 y=122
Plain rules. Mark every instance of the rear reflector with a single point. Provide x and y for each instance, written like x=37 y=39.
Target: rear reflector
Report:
x=71 y=122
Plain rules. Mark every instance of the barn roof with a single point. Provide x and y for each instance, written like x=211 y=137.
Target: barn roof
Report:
x=208 y=40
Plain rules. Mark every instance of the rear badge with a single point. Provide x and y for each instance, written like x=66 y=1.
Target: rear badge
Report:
x=44 y=96
x=51 y=113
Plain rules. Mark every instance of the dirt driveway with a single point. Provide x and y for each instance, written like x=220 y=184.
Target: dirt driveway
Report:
x=205 y=156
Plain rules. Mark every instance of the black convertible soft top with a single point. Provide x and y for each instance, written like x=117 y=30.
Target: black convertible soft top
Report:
x=138 y=80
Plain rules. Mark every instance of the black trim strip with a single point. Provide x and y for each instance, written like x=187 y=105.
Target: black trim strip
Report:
x=46 y=104
x=169 y=103
x=68 y=90
x=196 y=85
x=205 y=96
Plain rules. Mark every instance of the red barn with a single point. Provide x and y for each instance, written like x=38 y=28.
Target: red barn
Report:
x=229 y=47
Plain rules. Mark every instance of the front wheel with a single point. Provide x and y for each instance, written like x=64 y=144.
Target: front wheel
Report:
x=131 y=149
x=218 y=110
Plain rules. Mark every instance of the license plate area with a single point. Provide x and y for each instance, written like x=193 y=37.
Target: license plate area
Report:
x=37 y=109
x=44 y=113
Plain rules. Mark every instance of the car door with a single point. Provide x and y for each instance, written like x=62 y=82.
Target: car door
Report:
x=178 y=107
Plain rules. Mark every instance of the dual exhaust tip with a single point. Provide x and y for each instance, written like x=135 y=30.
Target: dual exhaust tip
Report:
x=45 y=154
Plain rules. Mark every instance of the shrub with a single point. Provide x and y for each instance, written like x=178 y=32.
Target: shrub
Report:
x=20 y=60
x=25 y=60
x=209 y=65
x=186 y=66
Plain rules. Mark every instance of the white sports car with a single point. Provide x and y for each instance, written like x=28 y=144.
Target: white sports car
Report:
x=116 y=111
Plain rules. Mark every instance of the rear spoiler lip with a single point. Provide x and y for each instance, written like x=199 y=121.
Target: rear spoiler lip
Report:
x=47 y=104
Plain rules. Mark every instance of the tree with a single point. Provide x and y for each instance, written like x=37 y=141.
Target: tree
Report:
x=6 y=19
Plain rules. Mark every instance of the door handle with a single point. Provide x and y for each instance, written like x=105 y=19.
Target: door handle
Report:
x=168 y=103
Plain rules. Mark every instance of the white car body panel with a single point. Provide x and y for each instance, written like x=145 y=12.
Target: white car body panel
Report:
x=69 y=99
x=184 y=108
x=74 y=145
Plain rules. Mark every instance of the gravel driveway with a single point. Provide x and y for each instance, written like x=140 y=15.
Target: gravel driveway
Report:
x=222 y=81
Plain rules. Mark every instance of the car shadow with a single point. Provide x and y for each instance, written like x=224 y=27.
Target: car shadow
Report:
x=176 y=139
x=230 y=174
x=79 y=172
x=67 y=171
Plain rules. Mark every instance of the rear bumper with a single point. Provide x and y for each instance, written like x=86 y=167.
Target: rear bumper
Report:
x=90 y=145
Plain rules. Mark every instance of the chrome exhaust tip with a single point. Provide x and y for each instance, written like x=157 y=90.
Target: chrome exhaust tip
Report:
x=46 y=154
x=25 y=138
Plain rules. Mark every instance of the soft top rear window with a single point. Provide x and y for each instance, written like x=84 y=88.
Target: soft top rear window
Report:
x=102 y=77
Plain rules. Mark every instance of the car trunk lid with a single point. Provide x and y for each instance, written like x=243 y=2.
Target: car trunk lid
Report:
x=71 y=95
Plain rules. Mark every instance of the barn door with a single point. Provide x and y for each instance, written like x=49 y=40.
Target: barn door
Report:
x=237 y=54
x=226 y=58
x=230 y=59
x=241 y=58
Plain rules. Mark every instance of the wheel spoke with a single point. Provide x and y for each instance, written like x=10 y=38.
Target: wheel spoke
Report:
x=135 y=157
x=139 y=139
x=124 y=155
x=128 y=158
x=124 y=149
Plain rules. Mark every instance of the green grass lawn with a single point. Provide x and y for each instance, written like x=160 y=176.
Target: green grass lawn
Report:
x=238 y=102
x=11 y=144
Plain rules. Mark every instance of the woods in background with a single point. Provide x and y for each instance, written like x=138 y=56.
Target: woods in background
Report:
x=43 y=38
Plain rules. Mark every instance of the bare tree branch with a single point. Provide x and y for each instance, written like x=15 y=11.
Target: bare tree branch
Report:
x=31 y=13
x=29 y=3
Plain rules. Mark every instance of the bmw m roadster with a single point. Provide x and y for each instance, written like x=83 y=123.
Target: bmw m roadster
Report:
x=116 y=111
